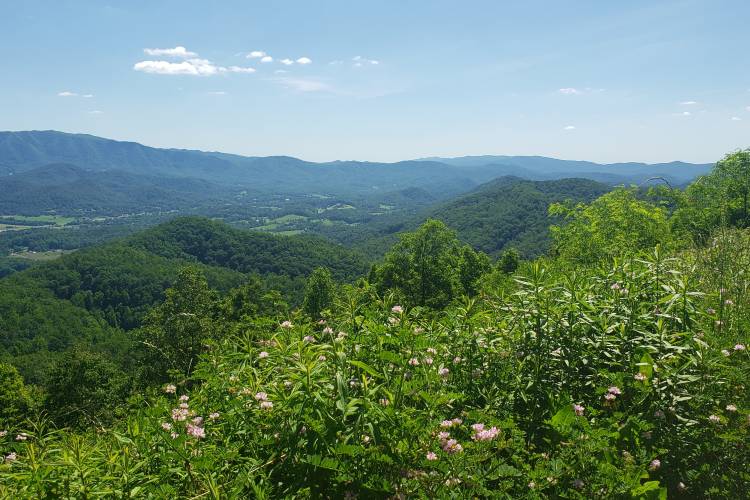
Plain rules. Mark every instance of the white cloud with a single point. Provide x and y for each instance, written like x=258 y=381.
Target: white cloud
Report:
x=67 y=93
x=240 y=69
x=286 y=62
x=281 y=71
x=304 y=84
x=736 y=119
x=194 y=67
x=178 y=51
x=216 y=92
x=360 y=61
x=688 y=103
x=266 y=59
x=686 y=113
x=96 y=112
x=569 y=127
x=304 y=60
x=256 y=54
x=570 y=91
x=747 y=108
x=336 y=62
x=87 y=96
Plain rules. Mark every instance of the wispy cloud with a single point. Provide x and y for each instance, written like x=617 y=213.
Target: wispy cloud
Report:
x=688 y=103
x=304 y=84
x=192 y=65
x=304 y=60
x=286 y=62
x=736 y=119
x=360 y=61
x=217 y=92
x=68 y=93
x=570 y=91
x=256 y=54
x=96 y=112
x=178 y=51
x=266 y=59
x=239 y=69
x=569 y=127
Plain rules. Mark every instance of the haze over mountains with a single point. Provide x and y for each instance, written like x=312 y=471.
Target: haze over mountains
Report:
x=22 y=152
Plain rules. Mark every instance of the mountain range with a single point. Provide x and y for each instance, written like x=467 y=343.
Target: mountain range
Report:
x=26 y=151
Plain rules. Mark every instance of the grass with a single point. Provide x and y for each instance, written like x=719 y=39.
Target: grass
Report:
x=56 y=220
x=40 y=256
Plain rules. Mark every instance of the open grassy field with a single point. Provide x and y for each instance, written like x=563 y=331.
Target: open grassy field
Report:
x=40 y=256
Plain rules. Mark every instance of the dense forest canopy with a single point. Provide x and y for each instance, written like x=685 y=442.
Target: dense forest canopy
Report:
x=556 y=338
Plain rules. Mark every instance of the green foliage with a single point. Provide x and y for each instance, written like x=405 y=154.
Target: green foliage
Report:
x=175 y=332
x=615 y=224
x=15 y=398
x=719 y=198
x=425 y=267
x=319 y=292
x=85 y=388
x=509 y=261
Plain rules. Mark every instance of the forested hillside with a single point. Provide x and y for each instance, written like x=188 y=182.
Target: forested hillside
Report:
x=170 y=364
x=87 y=297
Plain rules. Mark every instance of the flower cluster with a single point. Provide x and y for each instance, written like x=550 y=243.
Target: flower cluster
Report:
x=482 y=434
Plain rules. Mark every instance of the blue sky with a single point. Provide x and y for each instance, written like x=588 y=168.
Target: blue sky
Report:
x=387 y=80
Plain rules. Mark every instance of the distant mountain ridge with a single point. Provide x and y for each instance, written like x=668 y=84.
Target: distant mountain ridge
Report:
x=24 y=151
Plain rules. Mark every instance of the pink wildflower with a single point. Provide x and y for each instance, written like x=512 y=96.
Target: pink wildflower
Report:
x=166 y=426
x=457 y=421
x=286 y=324
x=3 y=434
x=179 y=414
x=184 y=406
x=714 y=419
x=452 y=446
x=22 y=437
x=739 y=347
x=197 y=420
x=418 y=330
x=170 y=389
x=614 y=390
x=322 y=358
x=443 y=436
x=184 y=398
x=263 y=355
x=578 y=409
x=384 y=402
x=640 y=377
x=261 y=396
x=482 y=434
x=174 y=435
x=309 y=339
x=457 y=360
x=414 y=362
x=731 y=408
x=196 y=431
x=428 y=361
x=432 y=351
x=431 y=456
x=654 y=465
x=393 y=321
x=328 y=330
x=610 y=397
x=11 y=457
x=397 y=309
x=443 y=372
x=215 y=415
x=266 y=405
x=726 y=353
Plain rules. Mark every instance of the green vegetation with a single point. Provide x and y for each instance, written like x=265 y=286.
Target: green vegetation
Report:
x=194 y=360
